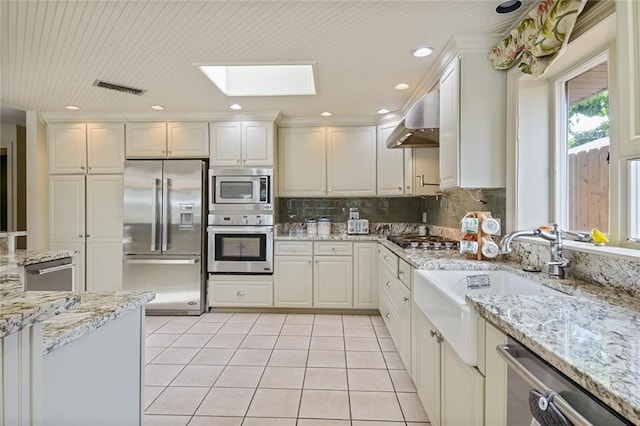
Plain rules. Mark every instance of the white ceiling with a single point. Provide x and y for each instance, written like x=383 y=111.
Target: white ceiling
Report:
x=52 y=51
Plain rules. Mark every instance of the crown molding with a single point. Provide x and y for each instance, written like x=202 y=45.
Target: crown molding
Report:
x=327 y=121
x=75 y=116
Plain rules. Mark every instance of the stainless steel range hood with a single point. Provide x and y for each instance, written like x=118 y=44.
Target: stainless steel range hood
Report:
x=421 y=125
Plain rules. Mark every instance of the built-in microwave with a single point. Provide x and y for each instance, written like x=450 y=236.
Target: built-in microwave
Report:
x=240 y=189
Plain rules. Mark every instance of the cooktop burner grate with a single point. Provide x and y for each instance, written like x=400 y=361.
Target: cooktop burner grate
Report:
x=429 y=242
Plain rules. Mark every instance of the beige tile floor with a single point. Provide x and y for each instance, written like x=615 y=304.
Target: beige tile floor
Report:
x=276 y=369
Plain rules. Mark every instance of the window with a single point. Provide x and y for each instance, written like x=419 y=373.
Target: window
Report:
x=634 y=199
x=583 y=151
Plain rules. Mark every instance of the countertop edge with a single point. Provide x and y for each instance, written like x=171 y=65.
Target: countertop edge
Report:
x=31 y=258
x=58 y=333
x=43 y=311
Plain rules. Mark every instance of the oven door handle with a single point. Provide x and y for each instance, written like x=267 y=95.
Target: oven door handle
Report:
x=54 y=269
x=231 y=229
x=510 y=354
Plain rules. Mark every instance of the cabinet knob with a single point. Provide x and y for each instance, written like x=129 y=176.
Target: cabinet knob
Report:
x=170 y=152
x=388 y=284
x=88 y=235
x=432 y=333
x=399 y=188
x=387 y=315
x=333 y=249
x=81 y=167
x=405 y=298
x=408 y=187
x=330 y=190
x=309 y=262
x=240 y=293
x=79 y=235
x=386 y=257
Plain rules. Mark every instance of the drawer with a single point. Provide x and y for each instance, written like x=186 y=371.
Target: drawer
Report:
x=293 y=248
x=240 y=292
x=338 y=248
x=389 y=314
x=388 y=259
x=405 y=273
x=389 y=285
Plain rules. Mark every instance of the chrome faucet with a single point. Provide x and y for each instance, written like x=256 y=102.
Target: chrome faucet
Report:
x=557 y=264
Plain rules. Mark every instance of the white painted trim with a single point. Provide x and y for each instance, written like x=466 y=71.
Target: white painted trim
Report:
x=76 y=116
x=38 y=184
x=9 y=141
x=627 y=253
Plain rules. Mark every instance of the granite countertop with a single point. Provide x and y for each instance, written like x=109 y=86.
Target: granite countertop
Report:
x=65 y=315
x=331 y=237
x=95 y=310
x=592 y=336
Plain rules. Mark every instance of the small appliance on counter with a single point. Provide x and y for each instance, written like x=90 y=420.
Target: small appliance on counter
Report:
x=324 y=226
x=358 y=226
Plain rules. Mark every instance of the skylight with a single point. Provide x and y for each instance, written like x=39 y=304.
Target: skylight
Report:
x=262 y=80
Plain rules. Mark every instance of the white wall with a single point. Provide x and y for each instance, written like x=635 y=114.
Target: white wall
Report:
x=37 y=184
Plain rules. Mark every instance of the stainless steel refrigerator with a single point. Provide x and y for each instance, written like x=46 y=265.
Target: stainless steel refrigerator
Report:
x=163 y=235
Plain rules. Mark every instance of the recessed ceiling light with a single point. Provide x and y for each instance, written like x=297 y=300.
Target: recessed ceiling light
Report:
x=508 y=6
x=235 y=106
x=402 y=86
x=72 y=107
x=383 y=111
x=262 y=80
x=421 y=52
x=326 y=114
x=157 y=107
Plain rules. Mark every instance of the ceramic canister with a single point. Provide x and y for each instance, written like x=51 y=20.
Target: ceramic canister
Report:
x=324 y=226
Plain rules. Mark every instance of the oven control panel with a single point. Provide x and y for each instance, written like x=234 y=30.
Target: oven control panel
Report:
x=240 y=219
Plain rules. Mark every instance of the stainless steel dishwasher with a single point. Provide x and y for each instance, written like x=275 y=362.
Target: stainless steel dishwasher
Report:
x=538 y=394
x=53 y=275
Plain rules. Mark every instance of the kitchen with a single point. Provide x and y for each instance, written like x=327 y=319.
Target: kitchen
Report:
x=300 y=197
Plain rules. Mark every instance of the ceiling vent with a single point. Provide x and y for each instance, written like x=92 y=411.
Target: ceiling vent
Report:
x=119 y=88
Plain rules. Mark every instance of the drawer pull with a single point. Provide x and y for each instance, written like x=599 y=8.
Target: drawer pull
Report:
x=240 y=293
x=432 y=333
x=386 y=257
x=388 y=284
x=400 y=272
x=387 y=315
x=405 y=298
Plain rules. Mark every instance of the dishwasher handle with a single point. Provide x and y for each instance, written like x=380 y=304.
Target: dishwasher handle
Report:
x=510 y=354
x=54 y=269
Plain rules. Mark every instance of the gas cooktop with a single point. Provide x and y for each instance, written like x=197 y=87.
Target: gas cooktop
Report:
x=431 y=242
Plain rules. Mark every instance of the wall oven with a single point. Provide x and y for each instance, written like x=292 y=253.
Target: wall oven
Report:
x=241 y=189
x=241 y=244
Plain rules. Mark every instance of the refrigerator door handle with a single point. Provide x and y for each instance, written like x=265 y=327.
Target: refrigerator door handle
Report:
x=163 y=261
x=154 y=214
x=165 y=213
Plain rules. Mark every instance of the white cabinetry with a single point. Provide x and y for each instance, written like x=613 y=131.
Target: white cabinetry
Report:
x=443 y=380
x=240 y=290
x=426 y=170
x=365 y=275
x=333 y=275
x=167 y=140
x=241 y=144
x=495 y=404
x=628 y=57
x=394 y=298
x=351 y=161
x=302 y=162
x=335 y=162
x=79 y=148
x=87 y=210
x=392 y=166
x=472 y=131
x=293 y=274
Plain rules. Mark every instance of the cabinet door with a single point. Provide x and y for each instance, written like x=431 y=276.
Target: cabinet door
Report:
x=105 y=147
x=628 y=58
x=188 y=139
x=293 y=281
x=66 y=208
x=257 y=144
x=409 y=176
x=351 y=161
x=78 y=260
x=302 y=162
x=460 y=382
x=104 y=266
x=428 y=368
x=333 y=282
x=104 y=208
x=225 y=147
x=426 y=167
x=146 y=140
x=495 y=405
x=390 y=164
x=449 y=144
x=404 y=328
x=67 y=148
x=365 y=276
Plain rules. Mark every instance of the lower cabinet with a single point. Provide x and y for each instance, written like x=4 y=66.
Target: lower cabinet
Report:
x=240 y=290
x=333 y=281
x=104 y=266
x=365 y=275
x=293 y=282
x=495 y=403
x=451 y=391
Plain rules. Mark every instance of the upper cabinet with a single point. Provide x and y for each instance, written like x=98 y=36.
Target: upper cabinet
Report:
x=472 y=130
x=167 y=140
x=79 y=148
x=628 y=77
x=351 y=161
x=242 y=144
x=335 y=162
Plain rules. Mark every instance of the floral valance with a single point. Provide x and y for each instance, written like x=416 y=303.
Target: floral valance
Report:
x=539 y=39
